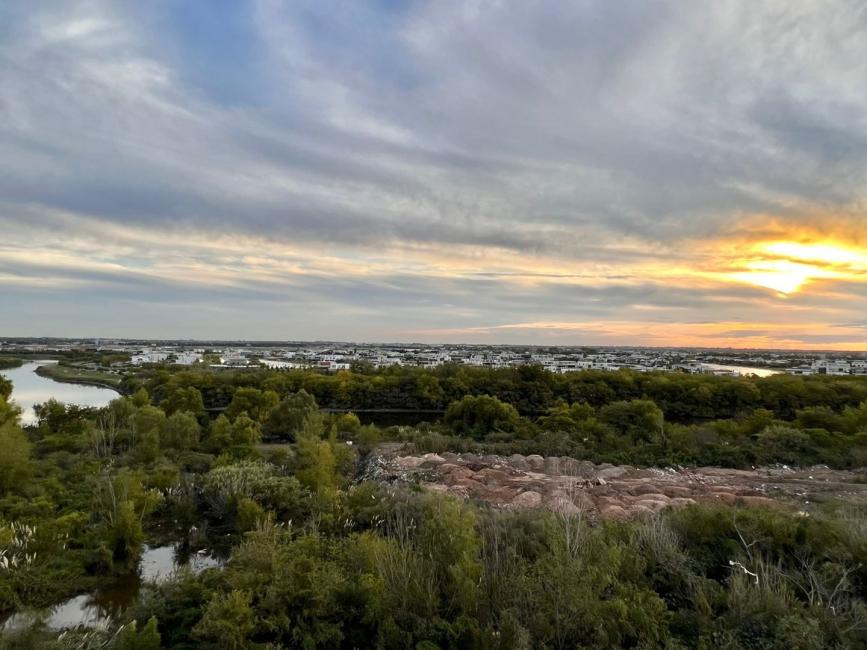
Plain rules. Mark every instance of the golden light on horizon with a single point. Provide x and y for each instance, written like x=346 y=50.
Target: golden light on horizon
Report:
x=788 y=266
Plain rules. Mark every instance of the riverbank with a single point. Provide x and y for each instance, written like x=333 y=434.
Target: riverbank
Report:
x=72 y=375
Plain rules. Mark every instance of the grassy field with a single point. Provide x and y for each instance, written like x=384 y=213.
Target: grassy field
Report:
x=75 y=375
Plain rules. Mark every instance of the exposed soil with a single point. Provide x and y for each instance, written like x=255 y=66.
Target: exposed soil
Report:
x=612 y=492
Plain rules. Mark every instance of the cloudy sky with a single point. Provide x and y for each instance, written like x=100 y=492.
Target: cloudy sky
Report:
x=569 y=172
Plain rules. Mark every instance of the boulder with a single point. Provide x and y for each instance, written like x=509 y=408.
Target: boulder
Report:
x=528 y=499
x=611 y=473
x=758 y=502
x=408 y=462
x=676 y=491
x=564 y=506
x=491 y=476
x=650 y=504
x=613 y=512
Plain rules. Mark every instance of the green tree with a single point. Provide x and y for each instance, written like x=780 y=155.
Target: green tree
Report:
x=9 y=412
x=5 y=388
x=479 y=415
x=287 y=418
x=256 y=403
x=180 y=431
x=141 y=398
x=245 y=431
x=316 y=466
x=641 y=420
x=147 y=419
x=121 y=502
x=15 y=463
x=227 y=622
x=348 y=424
x=183 y=399
x=220 y=435
x=572 y=419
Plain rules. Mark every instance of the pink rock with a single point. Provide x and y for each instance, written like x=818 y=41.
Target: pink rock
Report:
x=528 y=499
x=614 y=512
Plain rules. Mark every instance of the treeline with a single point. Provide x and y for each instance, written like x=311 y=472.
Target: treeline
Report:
x=618 y=417
x=636 y=432
x=683 y=398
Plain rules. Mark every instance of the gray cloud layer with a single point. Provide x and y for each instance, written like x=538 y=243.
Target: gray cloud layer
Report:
x=593 y=131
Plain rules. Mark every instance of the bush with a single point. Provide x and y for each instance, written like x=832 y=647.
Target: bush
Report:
x=477 y=416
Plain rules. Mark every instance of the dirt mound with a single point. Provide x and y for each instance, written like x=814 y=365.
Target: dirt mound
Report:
x=614 y=492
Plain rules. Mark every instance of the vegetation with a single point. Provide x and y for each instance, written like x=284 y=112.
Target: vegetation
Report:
x=74 y=374
x=619 y=417
x=317 y=560
x=7 y=363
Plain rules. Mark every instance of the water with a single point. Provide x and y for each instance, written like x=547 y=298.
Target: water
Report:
x=28 y=389
x=98 y=608
x=742 y=370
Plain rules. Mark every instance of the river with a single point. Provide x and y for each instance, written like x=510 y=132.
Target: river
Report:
x=28 y=389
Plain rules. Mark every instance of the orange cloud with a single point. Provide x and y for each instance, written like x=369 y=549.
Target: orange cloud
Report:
x=722 y=334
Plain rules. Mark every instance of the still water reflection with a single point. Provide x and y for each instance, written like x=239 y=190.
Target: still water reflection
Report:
x=97 y=609
x=28 y=389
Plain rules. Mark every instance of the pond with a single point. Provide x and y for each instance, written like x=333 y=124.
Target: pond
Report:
x=742 y=370
x=28 y=389
x=97 y=608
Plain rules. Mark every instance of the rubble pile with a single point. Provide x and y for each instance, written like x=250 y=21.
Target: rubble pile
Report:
x=608 y=491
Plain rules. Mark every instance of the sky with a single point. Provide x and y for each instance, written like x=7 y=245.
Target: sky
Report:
x=580 y=172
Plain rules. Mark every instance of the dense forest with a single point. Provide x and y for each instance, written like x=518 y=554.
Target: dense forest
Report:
x=249 y=466
x=646 y=418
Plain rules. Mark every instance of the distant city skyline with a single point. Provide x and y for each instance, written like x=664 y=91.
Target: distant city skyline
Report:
x=434 y=171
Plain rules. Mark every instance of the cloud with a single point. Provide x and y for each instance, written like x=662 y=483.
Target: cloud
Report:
x=388 y=167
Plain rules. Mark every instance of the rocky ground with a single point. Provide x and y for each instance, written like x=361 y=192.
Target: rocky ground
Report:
x=612 y=492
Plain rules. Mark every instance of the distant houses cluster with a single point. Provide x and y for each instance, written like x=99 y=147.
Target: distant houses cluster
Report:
x=558 y=360
x=331 y=357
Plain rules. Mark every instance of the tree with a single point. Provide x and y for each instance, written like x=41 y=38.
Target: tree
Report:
x=184 y=399
x=147 y=419
x=246 y=432
x=256 y=403
x=141 y=398
x=641 y=419
x=180 y=431
x=348 y=423
x=571 y=419
x=8 y=412
x=5 y=388
x=316 y=464
x=227 y=622
x=14 y=451
x=121 y=502
x=220 y=435
x=287 y=418
x=480 y=415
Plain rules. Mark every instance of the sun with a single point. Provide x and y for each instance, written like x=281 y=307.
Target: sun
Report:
x=781 y=276
x=786 y=267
